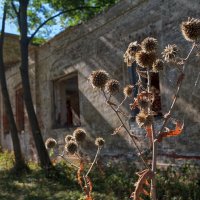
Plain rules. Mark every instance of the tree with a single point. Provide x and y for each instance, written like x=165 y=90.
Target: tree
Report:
x=19 y=160
x=27 y=17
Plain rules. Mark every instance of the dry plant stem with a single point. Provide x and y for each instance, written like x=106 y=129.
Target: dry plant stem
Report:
x=133 y=139
x=154 y=145
x=176 y=93
x=121 y=103
x=62 y=156
x=94 y=161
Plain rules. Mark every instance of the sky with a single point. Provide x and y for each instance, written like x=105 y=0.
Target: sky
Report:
x=11 y=27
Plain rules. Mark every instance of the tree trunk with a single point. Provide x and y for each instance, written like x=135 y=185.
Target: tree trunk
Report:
x=24 y=42
x=19 y=160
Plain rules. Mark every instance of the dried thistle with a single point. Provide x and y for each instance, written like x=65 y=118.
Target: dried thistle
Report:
x=143 y=104
x=69 y=138
x=191 y=29
x=145 y=59
x=128 y=91
x=143 y=119
x=99 y=142
x=158 y=65
x=112 y=86
x=71 y=147
x=79 y=134
x=170 y=52
x=50 y=143
x=129 y=56
x=149 y=44
x=98 y=78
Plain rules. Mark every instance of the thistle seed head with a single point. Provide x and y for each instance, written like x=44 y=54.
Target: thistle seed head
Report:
x=98 y=78
x=71 y=147
x=149 y=44
x=99 y=142
x=191 y=29
x=129 y=56
x=79 y=134
x=158 y=65
x=170 y=52
x=143 y=119
x=128 y=91
x=145 y=59
x=50 y=143
x=143 y=104
x=112 y=86
x=69 y=138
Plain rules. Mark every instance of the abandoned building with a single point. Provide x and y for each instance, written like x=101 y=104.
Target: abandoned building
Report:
x=59 y=70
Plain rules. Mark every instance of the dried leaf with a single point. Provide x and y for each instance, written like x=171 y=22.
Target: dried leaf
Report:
x=88 y=188
x=79 y=172
x=177 y=131
x=134 y=104
x=149 y=131
x=139 y=186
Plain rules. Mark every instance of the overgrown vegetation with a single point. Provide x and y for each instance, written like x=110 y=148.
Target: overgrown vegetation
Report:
x=111 y=182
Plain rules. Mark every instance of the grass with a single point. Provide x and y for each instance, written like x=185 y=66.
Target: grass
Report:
x=111 y=182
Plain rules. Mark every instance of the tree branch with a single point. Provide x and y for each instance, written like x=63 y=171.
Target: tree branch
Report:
x=16 y=12
x=57 y=15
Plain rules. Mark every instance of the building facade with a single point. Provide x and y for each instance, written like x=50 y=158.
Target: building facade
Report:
x=59 y=71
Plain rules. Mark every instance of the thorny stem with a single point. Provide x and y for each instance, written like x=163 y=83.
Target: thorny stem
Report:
x=167 y=117
x=94 y=161
x=154 y=158
x=153 y=183
x=133 y=139
x=121 y=103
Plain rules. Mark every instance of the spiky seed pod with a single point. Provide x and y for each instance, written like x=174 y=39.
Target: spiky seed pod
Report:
x=145 y=59
x=128 y=91
x=191 y=29
x=143 y=104
x=71 y=147
x=79 y=134
x=99 y=142
x=50 y=143
x=143 y=119
x=69 y=138
x=98 y=78
x=158 y=65
x=170 y=52
x=129 y=56
x=149 y=44
x=112 y=86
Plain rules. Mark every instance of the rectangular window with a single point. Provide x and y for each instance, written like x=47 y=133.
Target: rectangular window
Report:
x=66 y=102
x=19 y=109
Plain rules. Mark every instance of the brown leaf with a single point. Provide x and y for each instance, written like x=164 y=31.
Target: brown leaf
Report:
x=79 y=172
x=177 y=131
x=134 y=104
x=139 y=186
x=88 y=188
x=149 y=131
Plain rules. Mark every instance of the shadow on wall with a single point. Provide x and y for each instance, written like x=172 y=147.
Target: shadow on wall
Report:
x=98 y=126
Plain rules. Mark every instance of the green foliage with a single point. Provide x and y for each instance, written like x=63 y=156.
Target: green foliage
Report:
x=110 y=182
x=40 y=10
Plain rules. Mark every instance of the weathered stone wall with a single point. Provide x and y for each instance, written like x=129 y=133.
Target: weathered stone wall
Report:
x=101 y=43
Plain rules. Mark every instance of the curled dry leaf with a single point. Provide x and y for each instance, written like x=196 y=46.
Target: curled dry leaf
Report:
x=79 y=174
x=177 y=131
x=141 y=96
x=149 y=131
x=88 y=188
x=144 y=177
